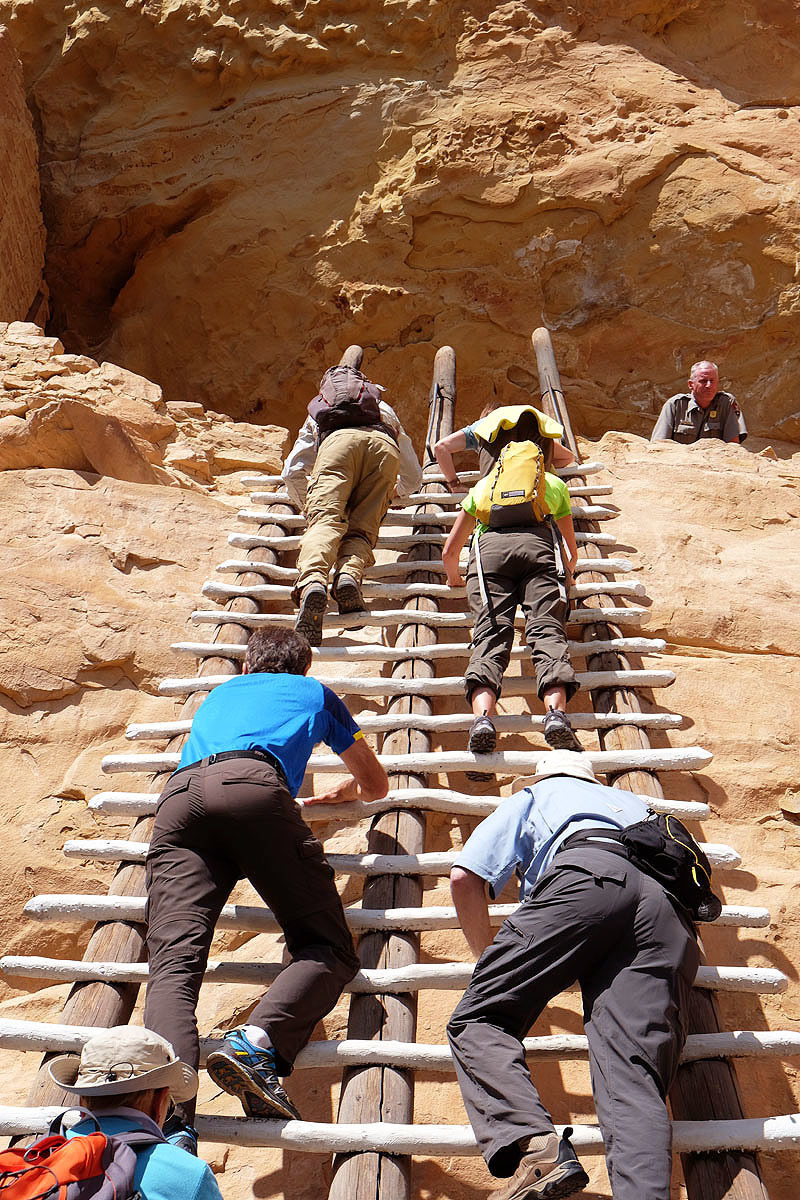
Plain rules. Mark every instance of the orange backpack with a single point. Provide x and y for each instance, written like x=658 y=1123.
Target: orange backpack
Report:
x=92 y=1166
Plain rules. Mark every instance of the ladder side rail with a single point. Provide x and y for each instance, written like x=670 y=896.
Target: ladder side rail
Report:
x=387 y=1093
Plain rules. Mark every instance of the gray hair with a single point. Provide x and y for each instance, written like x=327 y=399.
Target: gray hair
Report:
x=704 y=363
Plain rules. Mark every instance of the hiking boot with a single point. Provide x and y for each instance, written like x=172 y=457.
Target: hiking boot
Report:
x=540 y=1174
x=179 y=1133
x=347 y=593
x=250 y=1073
x=558 y=732
x=313 y=602
x=482 y=740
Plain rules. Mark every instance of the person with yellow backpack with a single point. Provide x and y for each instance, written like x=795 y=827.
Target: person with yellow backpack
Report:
x=523 y=552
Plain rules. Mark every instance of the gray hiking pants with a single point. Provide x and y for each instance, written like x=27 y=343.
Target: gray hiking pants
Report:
x=595 y=918
x=519 y=567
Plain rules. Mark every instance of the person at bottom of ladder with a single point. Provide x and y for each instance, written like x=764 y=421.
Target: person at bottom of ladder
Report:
x=587 y=914
x=529 y=565
x=229 y=813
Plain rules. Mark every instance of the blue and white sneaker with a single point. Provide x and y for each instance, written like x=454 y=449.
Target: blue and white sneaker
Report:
x=247 y=1071
x=179 y=1133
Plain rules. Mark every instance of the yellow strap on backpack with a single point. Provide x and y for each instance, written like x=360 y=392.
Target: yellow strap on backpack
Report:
x=513 y=493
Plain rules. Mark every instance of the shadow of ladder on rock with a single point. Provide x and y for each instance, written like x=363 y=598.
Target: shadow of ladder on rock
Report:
x=392 y=1068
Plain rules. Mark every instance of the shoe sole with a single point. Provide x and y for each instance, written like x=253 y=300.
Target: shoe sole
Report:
x=563 y=739
x=309 y=618
x=236 y=1080
x=349 y=599
x=483 y=742
x=569 y=1184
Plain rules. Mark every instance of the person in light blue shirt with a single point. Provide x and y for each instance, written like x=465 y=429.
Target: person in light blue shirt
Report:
x=127 y=1078
x=587 y=915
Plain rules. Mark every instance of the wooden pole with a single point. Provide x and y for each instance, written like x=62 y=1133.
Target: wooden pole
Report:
x=703 y=1091
x=385 y=1093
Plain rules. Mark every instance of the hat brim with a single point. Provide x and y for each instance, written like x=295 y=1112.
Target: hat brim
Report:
x=529 y=780
x=178 y=1076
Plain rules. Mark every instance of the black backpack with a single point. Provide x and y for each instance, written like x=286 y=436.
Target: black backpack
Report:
x=663 y=848
x=346 y=400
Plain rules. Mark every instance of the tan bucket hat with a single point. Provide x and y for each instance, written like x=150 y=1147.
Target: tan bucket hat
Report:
x=560 y=762
x=124 y=1059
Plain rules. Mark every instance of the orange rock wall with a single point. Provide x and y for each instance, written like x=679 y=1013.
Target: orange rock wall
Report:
x=21 y=229
x=234 y=192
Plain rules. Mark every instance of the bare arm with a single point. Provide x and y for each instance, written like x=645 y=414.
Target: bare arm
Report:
x=444 y=450
x=456 y=539
x=567 y=531
x=368 y=779
x=472 y=906
x=562 y=456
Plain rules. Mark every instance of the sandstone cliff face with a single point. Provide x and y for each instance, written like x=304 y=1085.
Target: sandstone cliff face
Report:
x=235 y=191
x=21 y=230
x=98 y=576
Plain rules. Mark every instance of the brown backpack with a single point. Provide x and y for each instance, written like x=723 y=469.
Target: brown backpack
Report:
x=347 y=399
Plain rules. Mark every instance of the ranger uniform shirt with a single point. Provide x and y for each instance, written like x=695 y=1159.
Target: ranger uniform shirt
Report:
x=681 y=419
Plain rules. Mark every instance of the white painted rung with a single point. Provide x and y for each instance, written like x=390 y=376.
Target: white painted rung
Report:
x=453 y=723
x=386 y=541
x=41 y=1038
x=432 y=1141
x=378 y=618
x=434 y=863
x=515 y=762
x=76 y=909
x=587 y=468
x=140 y=804
x=445 y=499
x=413 y=978
x=380 y=653
x=408 y=520
x=513 y=685
x=222 y=592
x=243 y=566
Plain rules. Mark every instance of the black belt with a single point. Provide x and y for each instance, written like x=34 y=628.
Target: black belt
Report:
x=599 y=838
x=262 y=756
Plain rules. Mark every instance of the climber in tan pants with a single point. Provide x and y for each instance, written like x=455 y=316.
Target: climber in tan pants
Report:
x=349 y=492
x=355 y=455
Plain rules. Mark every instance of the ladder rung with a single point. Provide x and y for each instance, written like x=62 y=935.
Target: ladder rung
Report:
x=140 y=804
x=386 y=541
x=243 y=566
x=433 y=863
x=413 y=978
x=222 y=592
x=76 y=909
x=454 y=723
x=513 y=685
x=388 y=654
x=408 y=520
x=437 y=620
x=515 y=762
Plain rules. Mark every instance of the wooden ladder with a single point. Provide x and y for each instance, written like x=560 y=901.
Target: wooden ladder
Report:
x=375 y=1137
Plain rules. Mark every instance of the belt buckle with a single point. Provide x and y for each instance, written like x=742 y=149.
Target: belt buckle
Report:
x=212 y=758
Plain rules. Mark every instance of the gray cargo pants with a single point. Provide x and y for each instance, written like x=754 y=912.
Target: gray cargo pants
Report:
x=595 y=918
x=519 y=567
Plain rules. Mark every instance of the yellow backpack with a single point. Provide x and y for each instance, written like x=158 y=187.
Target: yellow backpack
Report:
x=513 y=493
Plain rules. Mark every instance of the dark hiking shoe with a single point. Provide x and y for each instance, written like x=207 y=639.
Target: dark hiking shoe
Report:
x=540 y=1175
x=558 y=732
x=313 y=602
x=347 y=593
x=246 y=1071
x=482 y=740
x=179 y=1133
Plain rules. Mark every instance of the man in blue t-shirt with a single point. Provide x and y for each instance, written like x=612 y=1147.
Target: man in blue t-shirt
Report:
x=587 y=915
x=229 y=813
